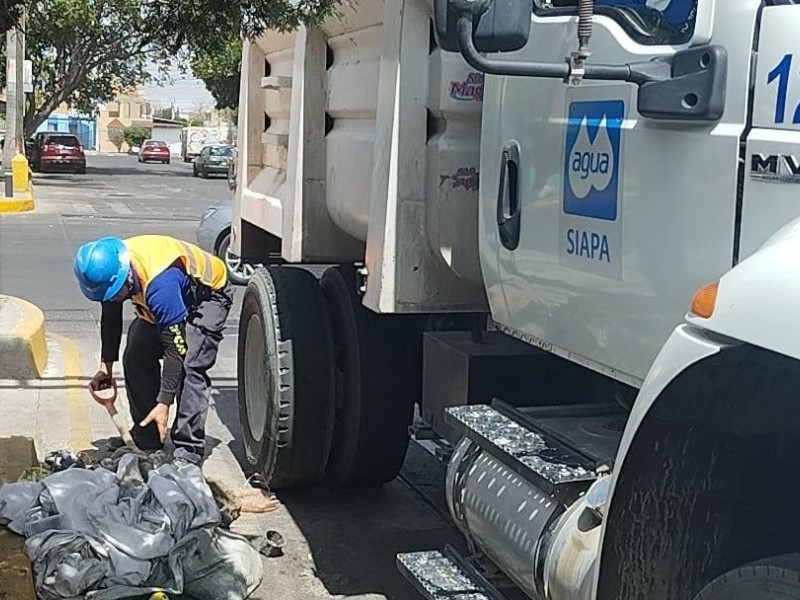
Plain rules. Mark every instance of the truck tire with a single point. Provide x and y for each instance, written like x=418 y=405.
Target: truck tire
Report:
x=378 y=381
x=286 y=378
x=776 y=578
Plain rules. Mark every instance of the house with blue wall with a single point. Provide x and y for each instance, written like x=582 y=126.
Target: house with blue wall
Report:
x=82 y=126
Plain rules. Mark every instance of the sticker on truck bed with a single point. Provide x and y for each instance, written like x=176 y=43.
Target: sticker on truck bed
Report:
x=591 y=234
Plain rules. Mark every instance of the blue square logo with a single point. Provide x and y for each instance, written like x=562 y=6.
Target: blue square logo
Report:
x=591 y=164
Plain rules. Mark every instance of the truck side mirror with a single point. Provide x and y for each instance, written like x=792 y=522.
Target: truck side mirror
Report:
x=497 y=25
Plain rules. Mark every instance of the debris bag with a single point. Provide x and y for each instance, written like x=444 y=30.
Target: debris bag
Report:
x=208 y=564
x=132 y=527
x=16 y=499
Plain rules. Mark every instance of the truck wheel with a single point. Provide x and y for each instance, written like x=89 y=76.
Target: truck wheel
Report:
x=377 y=383
x=776 y=578
x=286 y=380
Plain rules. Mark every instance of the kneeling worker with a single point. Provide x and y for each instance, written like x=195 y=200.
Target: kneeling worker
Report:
x=182 y=297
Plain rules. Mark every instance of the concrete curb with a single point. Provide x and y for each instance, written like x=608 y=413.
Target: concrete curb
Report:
x=23 y=202
x=23 y=347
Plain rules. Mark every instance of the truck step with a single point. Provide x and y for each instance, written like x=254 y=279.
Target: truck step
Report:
x=537 y=456
x=445 y=575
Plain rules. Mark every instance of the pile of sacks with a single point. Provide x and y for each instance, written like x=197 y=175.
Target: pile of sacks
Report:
x=126 y=529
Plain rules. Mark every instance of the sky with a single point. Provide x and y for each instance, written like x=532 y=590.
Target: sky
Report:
x=184 y=90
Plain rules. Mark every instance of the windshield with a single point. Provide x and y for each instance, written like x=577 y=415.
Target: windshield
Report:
x=648 y=21
x=222 y=151
x=63 y=140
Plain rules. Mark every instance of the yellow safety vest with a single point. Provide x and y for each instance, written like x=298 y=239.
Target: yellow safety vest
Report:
x=151 y=255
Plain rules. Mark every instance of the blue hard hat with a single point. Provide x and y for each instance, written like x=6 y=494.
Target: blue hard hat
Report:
x=102 y=268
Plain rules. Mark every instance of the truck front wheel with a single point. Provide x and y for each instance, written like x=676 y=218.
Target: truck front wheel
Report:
x=286 y=379
x=378 y=379
x=775 y=578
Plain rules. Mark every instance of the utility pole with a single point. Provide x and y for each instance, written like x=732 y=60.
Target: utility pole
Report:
x=14 y=87
x=20 y=68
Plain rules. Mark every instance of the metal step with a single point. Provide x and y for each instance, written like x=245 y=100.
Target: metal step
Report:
x=548 y=463
x=445 y=575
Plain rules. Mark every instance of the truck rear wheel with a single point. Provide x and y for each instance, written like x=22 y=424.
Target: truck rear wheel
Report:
x=286 y=379
x=775 y=578
x=378 y=380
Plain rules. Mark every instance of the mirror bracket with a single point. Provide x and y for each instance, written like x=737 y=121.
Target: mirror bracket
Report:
x=689 y=86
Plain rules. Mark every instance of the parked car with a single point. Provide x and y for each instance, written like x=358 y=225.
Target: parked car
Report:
x=214 y=236
x=154 y=150
x=212 y=160
x=57 y=151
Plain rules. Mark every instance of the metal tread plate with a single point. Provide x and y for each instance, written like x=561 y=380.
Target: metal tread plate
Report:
x=444 y=576
x=549 y=464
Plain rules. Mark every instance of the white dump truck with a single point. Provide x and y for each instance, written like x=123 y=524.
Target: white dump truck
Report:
x=563 y=234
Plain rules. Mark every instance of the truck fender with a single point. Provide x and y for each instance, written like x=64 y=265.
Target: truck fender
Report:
x=758 y=300
x=700 y=482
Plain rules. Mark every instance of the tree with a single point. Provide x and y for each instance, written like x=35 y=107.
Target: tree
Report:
x=166 y=112
x=10 y=11
x=220 y=71
x=135 y=136
x=84 y=51
x=209 y=25
x=117 y=137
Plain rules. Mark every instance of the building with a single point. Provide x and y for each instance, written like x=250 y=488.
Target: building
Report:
x=67 y=120
x=169 y=131
x=129 y=108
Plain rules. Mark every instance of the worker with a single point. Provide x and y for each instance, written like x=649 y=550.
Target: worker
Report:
x=181 y=297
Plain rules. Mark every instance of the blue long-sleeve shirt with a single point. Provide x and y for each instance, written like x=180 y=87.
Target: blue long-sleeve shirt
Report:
x=169 y=296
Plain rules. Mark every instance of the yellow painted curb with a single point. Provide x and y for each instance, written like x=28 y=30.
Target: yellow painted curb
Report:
x=24 y=203
x=23 y=350
x=80 y=423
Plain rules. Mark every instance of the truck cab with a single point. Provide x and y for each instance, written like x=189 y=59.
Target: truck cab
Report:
x=565 y=234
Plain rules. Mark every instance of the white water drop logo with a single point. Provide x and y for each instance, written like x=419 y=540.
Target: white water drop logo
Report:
x=591 y=164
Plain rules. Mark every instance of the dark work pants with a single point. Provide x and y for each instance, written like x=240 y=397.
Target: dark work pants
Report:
x=140 y=362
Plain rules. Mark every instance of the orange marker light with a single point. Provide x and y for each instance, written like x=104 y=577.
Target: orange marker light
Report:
x=705 y=300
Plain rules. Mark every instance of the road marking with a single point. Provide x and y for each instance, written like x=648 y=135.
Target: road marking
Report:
x=121 y=209
x=80 y=426
x=84 y=207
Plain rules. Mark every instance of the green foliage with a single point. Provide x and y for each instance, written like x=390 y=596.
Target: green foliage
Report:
x=164 y=113
x=135 y=136
x=208 y=25
x=220 y=71
x=10 y=11
x=84 y=51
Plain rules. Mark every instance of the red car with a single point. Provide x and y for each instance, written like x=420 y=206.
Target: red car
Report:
x=153 y=150
x=58 y=150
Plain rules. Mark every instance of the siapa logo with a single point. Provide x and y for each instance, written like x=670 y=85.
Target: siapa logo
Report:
x=469 y=89
x=591 y=163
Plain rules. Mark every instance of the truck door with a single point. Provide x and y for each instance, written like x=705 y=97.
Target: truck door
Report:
x=599 y=224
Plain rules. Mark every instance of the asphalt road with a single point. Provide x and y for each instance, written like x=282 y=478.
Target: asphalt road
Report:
x=340 y=544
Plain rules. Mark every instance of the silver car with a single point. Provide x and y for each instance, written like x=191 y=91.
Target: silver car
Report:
x=214 y=236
